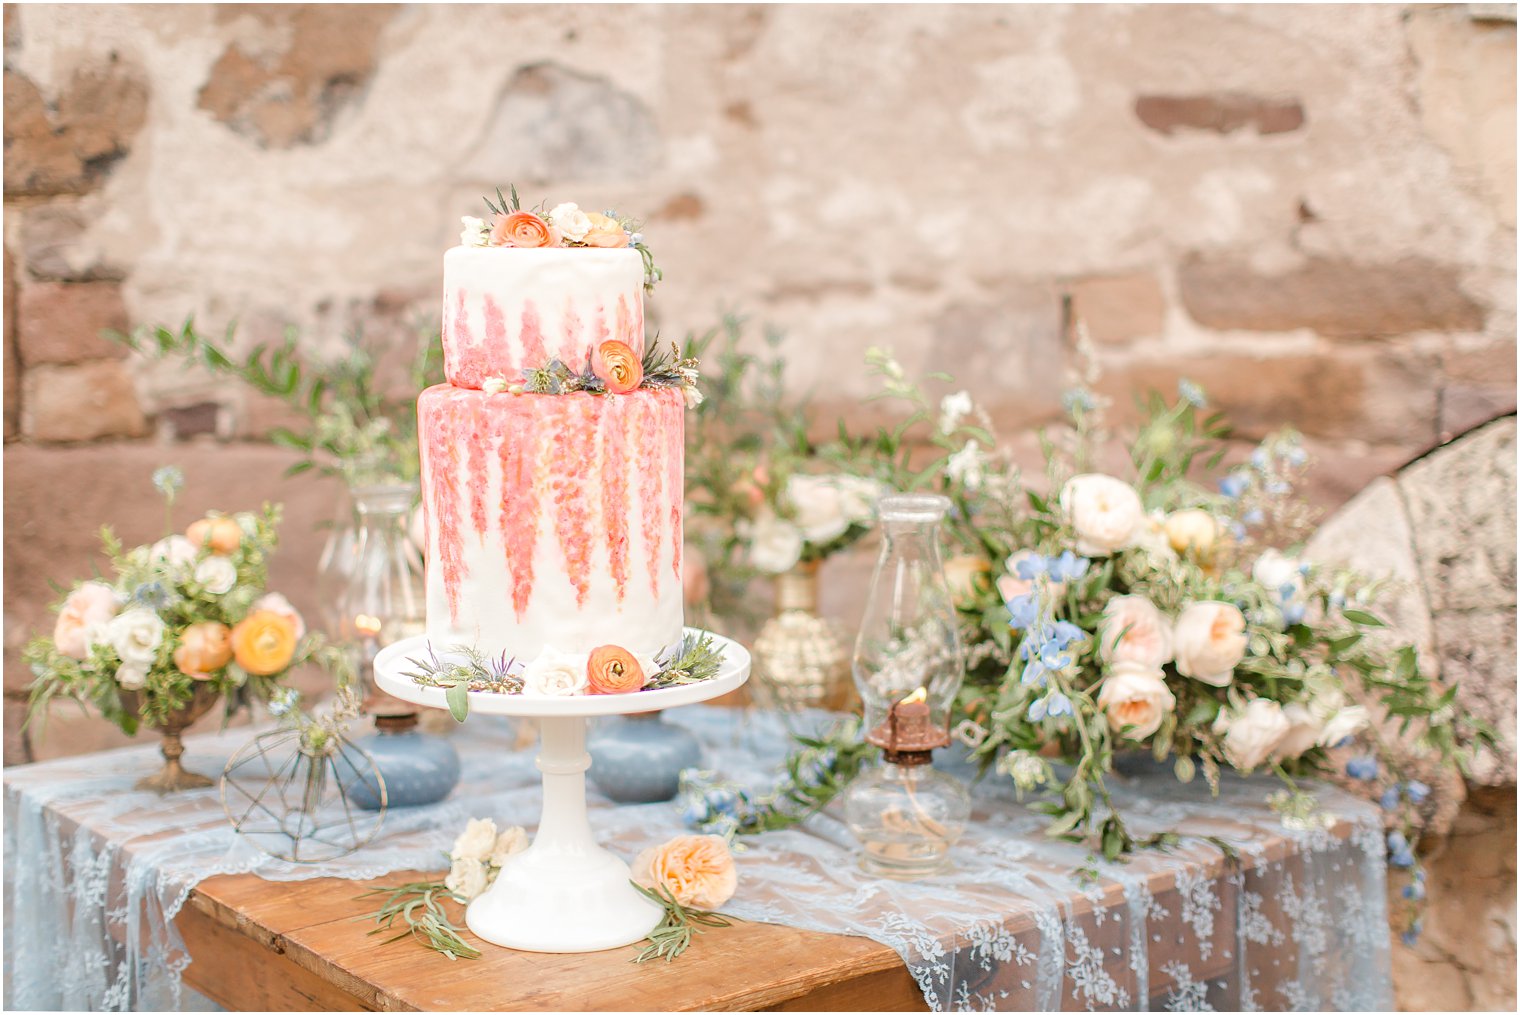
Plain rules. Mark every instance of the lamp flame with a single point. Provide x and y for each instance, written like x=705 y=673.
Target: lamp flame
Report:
x=368 y=626
x=922 y=694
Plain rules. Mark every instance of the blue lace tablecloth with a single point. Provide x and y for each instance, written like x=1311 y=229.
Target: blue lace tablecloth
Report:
x=95 y=873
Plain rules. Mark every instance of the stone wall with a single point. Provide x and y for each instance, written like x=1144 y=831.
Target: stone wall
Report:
x=1310 y=211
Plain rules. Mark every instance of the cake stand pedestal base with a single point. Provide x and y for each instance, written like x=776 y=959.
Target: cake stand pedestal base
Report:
x=564 y=893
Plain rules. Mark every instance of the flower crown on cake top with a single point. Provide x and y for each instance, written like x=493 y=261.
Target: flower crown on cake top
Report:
x=564 y=225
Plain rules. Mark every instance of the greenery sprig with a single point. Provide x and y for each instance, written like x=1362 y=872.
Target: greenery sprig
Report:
x=419 y=906
x=674 y=933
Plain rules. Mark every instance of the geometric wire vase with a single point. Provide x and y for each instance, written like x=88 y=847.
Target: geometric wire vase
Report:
x=293 y=803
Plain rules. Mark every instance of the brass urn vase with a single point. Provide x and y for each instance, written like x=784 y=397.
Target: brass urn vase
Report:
x=174 y=777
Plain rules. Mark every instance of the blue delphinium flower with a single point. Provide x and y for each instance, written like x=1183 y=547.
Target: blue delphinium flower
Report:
x=1411 y=937
x=1293 y=613
x=1037 y=710
x=1253 y=517
x=1416 y=791
x=1052 y=657
x=1074 y=399
x=1068 y=567
x=151 y=594
x=283 y=700
x=1390 y=799
x=1233 y=485
x=1065 y=633
x=1191 y=393
x=1031 y=567
x=1415 y=890
x=1402 y=858
x=1238 y=531
x=1259 y=460
x=1396 y=841
x=1057 y=704
x=1034 y=673
x=695 y=812
x=1297 y=455
x=1363 y=767
x=1023 y=611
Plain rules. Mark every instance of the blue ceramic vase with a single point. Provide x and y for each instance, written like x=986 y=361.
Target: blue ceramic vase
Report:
x=638 y=759
x=418 y=768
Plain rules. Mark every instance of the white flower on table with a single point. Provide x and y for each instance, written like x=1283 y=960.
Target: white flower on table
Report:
x=1133 y=630
x=216 y=574
x=1136 y=699
x=1150 y=538
x=467 y=879
x=555 y=674
x=1209 y=641
x=1304 y=729
x=135 y=634
x=131 y=677
x=476 y=841
x=1279 y=574
x=508 y=844
x=775 y=544
x=1252 y=733
x=818 y=507
x=1104 y=513
x=1343 y=723
x=494 y=385
x=572 y=223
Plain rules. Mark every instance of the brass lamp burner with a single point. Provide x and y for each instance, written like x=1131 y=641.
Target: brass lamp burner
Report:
x=909 y=735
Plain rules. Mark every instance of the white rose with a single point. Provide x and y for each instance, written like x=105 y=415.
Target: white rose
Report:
x=173 y=552
x=1252 y=734
x=131 y=677
x=1104 y=513
x=467 y=879
x=1208 y=641
x=514 y=840
x=1346 y=722
x=1272 y=571
x=474 y=233
x=775 y=544
x=1135 y=695
x=554 y=674
x=476 y=841
x=135 y=634
x=572 y=223
x=818 y=508
x=1303 y=731
x=1134 y=631
x=1150 y=536
x=967 y=466
x=953 y=409
x=216 y=574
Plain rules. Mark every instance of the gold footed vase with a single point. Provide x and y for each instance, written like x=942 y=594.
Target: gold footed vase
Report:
x=174 y=777
x=800 y=657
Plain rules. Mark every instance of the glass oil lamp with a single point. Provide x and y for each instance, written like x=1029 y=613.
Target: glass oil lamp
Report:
x=908 y=668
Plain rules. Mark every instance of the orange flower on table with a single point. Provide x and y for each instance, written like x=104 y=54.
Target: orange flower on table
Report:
x=221 y=535
x=522 y=229
x=203 y=648
x=264 y=642
x=604 y=232
x=697 y=870
x=613 y=670
x=618 y=366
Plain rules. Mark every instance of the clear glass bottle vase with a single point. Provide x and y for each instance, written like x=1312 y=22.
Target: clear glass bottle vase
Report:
x=384 y=596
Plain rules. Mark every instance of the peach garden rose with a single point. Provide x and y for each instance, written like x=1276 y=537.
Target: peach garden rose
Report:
x=1133 y=630
x=1209 y=641
x=1136 y=699
x=220 y=534
x=83 y=618
x=203 y=649
x=604 y=232
x=1104 y=513
x=697 y=870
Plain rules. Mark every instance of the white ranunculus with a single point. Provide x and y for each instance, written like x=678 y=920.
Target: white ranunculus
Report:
x=1343 y=723
x=1136 y=699
x=467 y=879
x=1273 y=570
x=135 y=634
x=1303 y=731
x=510 y=842
x=1208 y=642
x=953 y=409
x=572 y=223
x=818 y=508
x=1134 y=631
x=1104 y=513
x=967 y=466
x=173 y=552
x=554 y=674
x=775 y=544
x=476 y=841
x=216 y=574
x=131 y=677
x=1252 y=734
x=474 y=233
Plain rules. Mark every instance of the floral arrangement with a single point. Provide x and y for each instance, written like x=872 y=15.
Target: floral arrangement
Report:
x=189 y=611
x=611 y=368
x=564 y=225
x=608 y=669
x=687 y=877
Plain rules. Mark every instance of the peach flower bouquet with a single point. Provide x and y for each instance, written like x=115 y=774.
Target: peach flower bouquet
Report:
x=180 y=623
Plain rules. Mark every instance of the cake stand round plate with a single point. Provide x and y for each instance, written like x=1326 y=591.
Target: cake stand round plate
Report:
x=564 y=893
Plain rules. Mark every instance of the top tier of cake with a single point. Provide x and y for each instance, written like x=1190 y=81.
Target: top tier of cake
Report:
x=507 y=310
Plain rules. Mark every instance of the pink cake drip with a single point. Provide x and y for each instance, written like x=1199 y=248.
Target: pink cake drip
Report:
x=646 y=416
x=532 y=336
x=673 y=420
x=456 y=336
x=615 y=490
x=599 y=333
x=571 y=471
x=637 y=339
x=519 y=501
x=477 y=448
x=441 y=464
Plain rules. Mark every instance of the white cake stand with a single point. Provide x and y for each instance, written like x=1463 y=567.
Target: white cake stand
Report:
x=564 y=893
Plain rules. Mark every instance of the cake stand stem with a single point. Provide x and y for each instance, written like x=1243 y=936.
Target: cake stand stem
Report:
x=564 y=893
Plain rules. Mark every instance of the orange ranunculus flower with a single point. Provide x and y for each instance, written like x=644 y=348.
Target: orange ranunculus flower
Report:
x=522 y=229
x=616 y=364
x=222 y=535
x=264 y=642
x=604 y=232
x=613 y=670
x=697 y=870
x=203 y=647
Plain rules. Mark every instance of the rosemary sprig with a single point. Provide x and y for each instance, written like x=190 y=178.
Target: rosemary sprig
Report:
x=695 y=659
x=478 y=672
x=419 y=905
x=674 y=933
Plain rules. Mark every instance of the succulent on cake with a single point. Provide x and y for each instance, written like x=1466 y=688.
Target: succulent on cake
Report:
x=564 y=225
